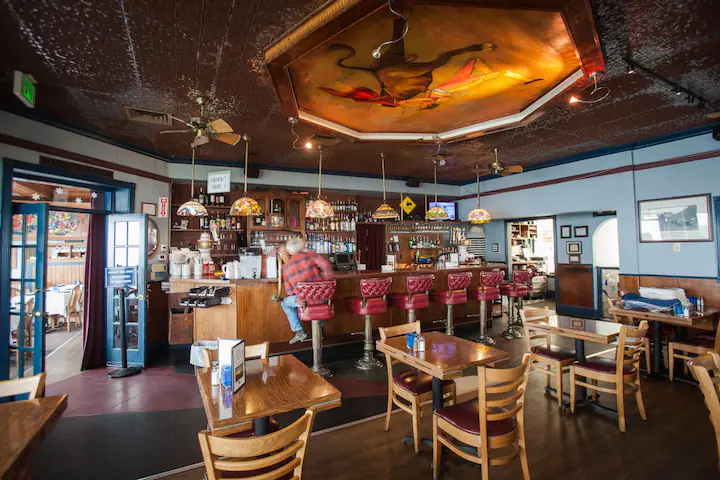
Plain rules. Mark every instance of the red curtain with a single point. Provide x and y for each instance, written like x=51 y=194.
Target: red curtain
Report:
x=371 y=245
x=94 y=306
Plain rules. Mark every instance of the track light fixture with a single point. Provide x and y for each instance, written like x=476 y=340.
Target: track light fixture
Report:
x=307 y=146
x=377 y=53
x=678 y=90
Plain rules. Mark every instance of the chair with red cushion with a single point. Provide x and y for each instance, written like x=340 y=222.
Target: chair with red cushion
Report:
x=374 y=293
x=456 y=294
x=515 y=291
x=523 y=277
x=315 y=300
x=487 y=291
x=416 y=297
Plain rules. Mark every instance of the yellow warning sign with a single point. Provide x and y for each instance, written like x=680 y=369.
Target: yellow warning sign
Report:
x=407 y=205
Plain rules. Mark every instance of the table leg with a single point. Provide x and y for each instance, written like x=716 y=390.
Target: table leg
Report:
x=658 y=364
x=580 y=357
x=262 y=425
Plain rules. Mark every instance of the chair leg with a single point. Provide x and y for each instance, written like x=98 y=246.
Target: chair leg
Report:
x=522 y=452
x=485 y=459
x=620 y=395
x=671 y=361
x=559 y=381
x=639 y=399
x=437 y=449
x=573 y=389
x=416 y=422
x=648 y=362
x=389 y=411
x=593 y=392
x=509 y=334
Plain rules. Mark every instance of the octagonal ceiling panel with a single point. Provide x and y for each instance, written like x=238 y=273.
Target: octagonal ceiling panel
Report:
x=463 y=69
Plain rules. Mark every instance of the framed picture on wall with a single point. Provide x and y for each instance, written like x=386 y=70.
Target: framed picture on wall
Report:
x=581 y=232
x=573 y=258
x=495 y=247
x=149 y=208
x=573 y=248
x=565 y=231
x=676 y=219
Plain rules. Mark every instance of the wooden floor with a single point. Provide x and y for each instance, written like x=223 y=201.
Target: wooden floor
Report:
x=677 y=442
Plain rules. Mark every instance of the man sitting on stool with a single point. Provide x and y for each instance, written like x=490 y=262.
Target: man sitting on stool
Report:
x=299 y=266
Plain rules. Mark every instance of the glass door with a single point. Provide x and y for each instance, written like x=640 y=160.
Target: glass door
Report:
x=27 y=289
x=127 y=247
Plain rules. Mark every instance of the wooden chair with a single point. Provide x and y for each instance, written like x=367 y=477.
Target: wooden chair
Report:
x=695 y=346
x=552 y=360
x=701 y=368
x=409 y=386
x=276 y=455
x=73 y=309
x=495 y=422
x=26 y=324
x=617 y=302
x=623 y=373
x=33 y=386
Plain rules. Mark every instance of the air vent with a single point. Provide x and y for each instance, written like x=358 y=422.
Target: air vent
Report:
x=324 y=140
x=148 y=116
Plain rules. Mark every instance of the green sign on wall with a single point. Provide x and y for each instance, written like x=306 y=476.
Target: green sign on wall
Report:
x=24 y=88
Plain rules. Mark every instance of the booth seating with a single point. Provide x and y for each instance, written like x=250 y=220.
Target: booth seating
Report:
x=315 y=300
x=487 y=291
x=515 y=291
x=416 y=297
x=456 y=294
x=374 y=293
x=687 y=350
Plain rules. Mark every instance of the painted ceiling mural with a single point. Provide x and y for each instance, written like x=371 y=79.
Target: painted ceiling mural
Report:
x=455 y=66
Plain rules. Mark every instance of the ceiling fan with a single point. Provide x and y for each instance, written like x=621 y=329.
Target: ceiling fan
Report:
x=713 y=114
x=499 y=168
x=205 y=129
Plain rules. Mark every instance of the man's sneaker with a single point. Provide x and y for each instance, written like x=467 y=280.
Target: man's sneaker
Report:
x=300 y=336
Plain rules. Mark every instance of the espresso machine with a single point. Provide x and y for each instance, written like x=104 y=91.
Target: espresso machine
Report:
x=250 y=263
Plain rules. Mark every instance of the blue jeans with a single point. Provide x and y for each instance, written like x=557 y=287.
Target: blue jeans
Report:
x=290 y=305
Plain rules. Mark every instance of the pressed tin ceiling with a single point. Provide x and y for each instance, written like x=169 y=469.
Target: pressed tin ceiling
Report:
x=91 y=59
x=448 y=70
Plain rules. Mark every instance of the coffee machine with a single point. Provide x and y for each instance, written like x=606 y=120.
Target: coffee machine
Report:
x=250 y=263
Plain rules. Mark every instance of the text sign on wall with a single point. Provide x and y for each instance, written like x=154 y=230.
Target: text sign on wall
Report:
x=163 y=207
x=218 y=182
x=120 y=276
x=24 y=88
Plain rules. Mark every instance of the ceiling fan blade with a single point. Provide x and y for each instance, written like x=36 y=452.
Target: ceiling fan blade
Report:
x=229 y=138
x=181 y=121
x=177 y=131
x=199 y=141
x=505 y=174
x=514 y=168
x=713 y=115
x=220 y=126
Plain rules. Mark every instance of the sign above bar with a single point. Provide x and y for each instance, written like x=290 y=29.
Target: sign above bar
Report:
x=218 y=182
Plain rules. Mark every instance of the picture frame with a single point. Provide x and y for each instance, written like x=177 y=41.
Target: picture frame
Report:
x=573 y=258
x=581 y=231
x=149 y=208
x=495 y=247
x=573 y=248
x=675 y=219
x=237 y=362
x=565 y=231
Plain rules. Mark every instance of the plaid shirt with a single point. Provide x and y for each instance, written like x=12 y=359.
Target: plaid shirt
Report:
x=305 y=266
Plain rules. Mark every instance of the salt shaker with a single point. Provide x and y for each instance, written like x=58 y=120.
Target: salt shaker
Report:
x=215 y=376
x=420 y=343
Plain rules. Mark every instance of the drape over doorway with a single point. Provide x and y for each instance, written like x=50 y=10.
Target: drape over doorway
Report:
x=94 y=310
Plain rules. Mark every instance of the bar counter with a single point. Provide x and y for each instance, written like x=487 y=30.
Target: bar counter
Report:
x=255 y=317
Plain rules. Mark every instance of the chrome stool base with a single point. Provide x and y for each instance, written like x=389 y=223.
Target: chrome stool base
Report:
x=368 y=363
x=484 y=339
x=323 y=372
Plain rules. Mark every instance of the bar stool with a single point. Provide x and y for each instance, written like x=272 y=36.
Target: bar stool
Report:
x=416 y=297
x=487 y=291
x=517 y=289
x=456 y=294
x=523 y=277
x=315 y=300
x=374 y=293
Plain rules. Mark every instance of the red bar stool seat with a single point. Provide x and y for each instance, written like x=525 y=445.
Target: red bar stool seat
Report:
x=374 y=293
x=315 y=300
x=416 y=297
x=515 y=291
x=487 y=291
x=456 y=294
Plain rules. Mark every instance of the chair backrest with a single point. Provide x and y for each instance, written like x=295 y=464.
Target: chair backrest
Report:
x=396 y=331
x=74 y=300
x=259 y=350
x=420 y=283
x=375 y=287
x=530 y=315
x=459 y=280
x=630 y=345
x=315 y=292
x=491 y=279
x=701 y=368
x=522 y=276
x=33 y=386
x=501 y=394
x=275 y=455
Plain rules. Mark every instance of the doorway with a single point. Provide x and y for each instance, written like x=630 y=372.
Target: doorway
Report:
x=531 y=245
x=606 y=258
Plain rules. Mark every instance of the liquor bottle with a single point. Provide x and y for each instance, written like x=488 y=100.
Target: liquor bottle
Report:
x=223 y=222
x=201 y=197
x=212 y=200
x=222 y=199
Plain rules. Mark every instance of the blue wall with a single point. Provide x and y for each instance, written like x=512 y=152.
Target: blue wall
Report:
x=577 y=220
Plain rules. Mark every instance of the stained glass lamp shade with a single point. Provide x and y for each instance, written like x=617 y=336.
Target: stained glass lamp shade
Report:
x=319 y=208
x=436 y=213
x=478 y=216
x=245 y=206
x=384 y=211
x=192 y=208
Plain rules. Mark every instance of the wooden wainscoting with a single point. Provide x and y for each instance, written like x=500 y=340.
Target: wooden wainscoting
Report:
x=65 y=271
x=574 y=285
x=708 y=288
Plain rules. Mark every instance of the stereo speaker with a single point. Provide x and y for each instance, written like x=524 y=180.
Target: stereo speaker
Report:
x=253 y=172
x=716 y=133
x=412 y=183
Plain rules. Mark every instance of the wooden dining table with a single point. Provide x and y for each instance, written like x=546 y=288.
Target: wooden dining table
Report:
x=444 y=358
x=704 y=320
x=23 y=425
x=581 y=330
x=274 y=385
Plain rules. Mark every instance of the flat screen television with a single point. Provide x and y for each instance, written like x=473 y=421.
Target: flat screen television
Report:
x=449 y=207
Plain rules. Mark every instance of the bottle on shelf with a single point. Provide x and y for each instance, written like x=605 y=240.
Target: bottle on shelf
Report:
x=201 y=197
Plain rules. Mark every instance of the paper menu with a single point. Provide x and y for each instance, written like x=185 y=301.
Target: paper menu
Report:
x=225 y=346
x=238 y=366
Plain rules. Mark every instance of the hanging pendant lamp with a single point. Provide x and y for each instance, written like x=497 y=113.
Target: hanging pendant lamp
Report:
x=384 y=211
x=479 y=215
x=436 y=212
x=319 y=208
x=245 y=206
x=192 y=208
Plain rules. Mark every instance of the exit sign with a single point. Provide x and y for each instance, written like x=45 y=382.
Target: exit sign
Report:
x=24 y=88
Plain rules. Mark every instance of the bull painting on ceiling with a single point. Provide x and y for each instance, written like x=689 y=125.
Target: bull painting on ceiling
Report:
x=455 y=66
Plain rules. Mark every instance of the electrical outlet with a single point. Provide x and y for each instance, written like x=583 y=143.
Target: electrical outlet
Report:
x=676 y=247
